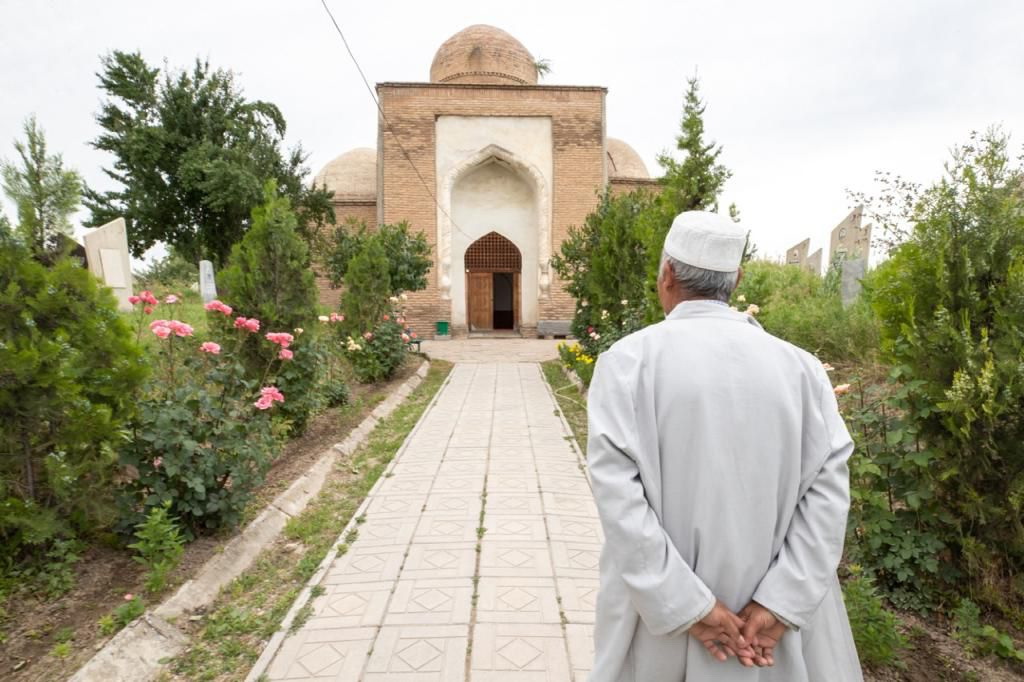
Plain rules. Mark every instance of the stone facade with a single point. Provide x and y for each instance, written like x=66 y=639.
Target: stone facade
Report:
x=481 y=119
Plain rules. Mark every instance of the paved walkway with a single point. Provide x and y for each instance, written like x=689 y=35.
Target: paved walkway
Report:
x=421 y=595
x=492 y=350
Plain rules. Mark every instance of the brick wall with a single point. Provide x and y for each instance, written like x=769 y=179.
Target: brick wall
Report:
x=577 y=121
x=626 y=185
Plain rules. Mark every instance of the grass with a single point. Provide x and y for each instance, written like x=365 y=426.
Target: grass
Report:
x=232 y=635
x=572 y=405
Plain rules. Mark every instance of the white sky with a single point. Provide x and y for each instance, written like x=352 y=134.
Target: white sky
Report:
x=807 y=98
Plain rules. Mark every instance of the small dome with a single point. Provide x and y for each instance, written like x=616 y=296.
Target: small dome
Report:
x=352 y=176
x=483 y=54
x=623 y=161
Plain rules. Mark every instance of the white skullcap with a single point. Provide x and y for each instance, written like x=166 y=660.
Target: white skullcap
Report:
x=706 y=240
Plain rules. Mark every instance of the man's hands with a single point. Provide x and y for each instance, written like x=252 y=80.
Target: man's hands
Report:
x=763 y=630
x=719 y=632
x=751 y=636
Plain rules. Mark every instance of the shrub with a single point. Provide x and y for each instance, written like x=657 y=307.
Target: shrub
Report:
x=159 y=545
x=367 y=286
x=951 y=301
x=806 y=310
x=132 y=608
x=575 y=358
x=982 y=639
x=269 y=277
x=407 y=254
x=376 y=355
x=875 y=630
x=203 y=438
x=68 y=372
x=173 y=271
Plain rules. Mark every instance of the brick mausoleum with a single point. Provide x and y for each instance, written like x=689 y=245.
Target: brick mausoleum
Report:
x=512 y=165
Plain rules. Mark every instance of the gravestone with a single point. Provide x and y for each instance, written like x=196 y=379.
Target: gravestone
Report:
x=207 y=282
x=848 y=239
x=853 y=272
x=814 y=262
x=797 y=255
x=106 y=255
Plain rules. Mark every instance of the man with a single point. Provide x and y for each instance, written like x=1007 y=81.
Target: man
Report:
x=718 y=459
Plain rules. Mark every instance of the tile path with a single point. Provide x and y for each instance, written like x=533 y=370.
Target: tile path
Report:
x=415 y=598
x=492 y=350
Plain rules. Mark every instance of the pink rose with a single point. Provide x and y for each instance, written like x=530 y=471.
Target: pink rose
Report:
x=268 y=396
x=368 y=336
x=148 y=297
x=240 y=322
x=162 y=332
x=148 y=309
x=171 y=298
x=217 y=306
x=335 y=317
x=405 y=337
x=252 y=325
x=129 y=596
x=282 y=339
x=134 y=299
x=210 y=347
x=413 y=335
x=264 y=403
x=180 y=328
x=285 y=354
x=386 y=317
x=157 y=462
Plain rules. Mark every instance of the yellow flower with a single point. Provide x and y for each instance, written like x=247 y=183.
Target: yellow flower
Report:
x=741 y=299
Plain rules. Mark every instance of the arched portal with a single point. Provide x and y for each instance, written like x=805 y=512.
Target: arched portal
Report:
x=493 y=282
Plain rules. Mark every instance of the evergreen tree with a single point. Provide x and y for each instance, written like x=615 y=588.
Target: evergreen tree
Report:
x=692 y=184
x=45 y=192
x=192 y=155
x=408 y=254
x=268 y=275
x=367 y=286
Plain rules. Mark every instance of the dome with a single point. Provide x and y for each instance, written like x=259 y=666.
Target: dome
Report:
x=352 y=176
x=623 y=161
x=483 y=54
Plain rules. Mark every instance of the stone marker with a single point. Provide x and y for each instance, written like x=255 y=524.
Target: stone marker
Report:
x=848 y=239
x=207 y=283
x=854 y=270
x=814 y=262
x=106 y=254
x=797 y=255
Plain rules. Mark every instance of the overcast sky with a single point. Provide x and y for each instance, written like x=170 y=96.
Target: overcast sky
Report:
x=808 y=98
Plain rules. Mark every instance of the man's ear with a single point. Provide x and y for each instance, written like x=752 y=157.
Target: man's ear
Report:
x=667 y=276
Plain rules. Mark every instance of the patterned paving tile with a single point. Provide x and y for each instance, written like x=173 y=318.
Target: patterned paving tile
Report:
x=440 y=560
x=349 y=605
x=395 y=506
x=419 y=653
x=581 y=650
x=512 y=652
x=525 y=482
x=446 y=528
x=367 y=565
x=461 y=485
x=379 y=531
x=515 y=559
x=513 y=503
x=514 y=528
x=336 y=654
x=517 y=600
x=574 y=529
x=576 y=559
x=427 y=601
x=574 y=484
x=569 y=505
x=579 y=598
x=454 y=504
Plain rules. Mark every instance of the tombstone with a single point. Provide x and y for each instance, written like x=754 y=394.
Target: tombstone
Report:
x=106 y=254
x=848 y=239
x=853 y=271
x=207 y=282
x=797 y=255
x=814 y=262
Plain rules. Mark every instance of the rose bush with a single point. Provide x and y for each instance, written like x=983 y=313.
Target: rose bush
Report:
x=203 y=438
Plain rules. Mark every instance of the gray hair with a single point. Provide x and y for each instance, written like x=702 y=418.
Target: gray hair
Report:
x=700 y=282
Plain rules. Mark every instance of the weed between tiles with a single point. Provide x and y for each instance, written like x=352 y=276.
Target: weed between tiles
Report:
x=232 y=632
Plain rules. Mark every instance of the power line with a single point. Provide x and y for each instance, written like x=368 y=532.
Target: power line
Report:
x=398 y=141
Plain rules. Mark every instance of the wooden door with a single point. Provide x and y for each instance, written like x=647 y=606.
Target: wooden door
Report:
x=515 y=299
x=481 y=301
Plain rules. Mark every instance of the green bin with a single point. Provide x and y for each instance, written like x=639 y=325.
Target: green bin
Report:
x=442 y=328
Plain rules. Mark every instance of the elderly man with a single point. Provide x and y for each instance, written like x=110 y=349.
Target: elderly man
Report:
x=719 y=464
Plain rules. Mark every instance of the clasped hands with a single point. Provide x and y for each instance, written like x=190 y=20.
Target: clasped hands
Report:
x=750 y=635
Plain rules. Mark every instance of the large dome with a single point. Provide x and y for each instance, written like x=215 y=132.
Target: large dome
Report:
x=483 y=54
x=623 y=161
x=352 y=176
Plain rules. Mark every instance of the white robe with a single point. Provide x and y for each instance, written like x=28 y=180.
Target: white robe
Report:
x=718 y=459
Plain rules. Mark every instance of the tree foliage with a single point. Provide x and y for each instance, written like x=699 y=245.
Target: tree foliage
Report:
x=367 y=286
x=407 y=254
x=44 y=191
x=191 y=156
x=68 y=369
x=951 y=302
